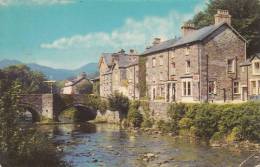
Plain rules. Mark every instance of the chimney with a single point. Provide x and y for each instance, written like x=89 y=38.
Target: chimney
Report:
x=187 y=28
x=156 y=41
x=132 y=52
x=222 y=16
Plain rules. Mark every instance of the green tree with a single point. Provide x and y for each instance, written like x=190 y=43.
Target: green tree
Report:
x=119 y=102
x=245 y=19
x=31 y=81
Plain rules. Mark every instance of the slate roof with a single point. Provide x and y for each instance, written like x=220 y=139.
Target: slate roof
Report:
x=108 y=58
x=248 y=61
x=195 y=36
x=161 y=46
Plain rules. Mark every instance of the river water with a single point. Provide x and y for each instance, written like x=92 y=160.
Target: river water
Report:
x=94 y=145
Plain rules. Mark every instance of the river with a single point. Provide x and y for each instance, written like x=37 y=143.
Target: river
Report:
x=94 y=145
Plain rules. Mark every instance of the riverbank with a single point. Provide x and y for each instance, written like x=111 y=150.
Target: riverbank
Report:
x=89 y=144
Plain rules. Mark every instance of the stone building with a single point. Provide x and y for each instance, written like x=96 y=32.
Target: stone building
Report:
x=71 y=86
x=118 y=73
x=201 y=65
x=250 y=71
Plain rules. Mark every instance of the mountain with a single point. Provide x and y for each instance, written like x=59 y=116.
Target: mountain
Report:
x=52 y=73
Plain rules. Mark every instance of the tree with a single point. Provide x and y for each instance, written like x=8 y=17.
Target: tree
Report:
x=30 y=81
x=119 y=102
x=245 y=19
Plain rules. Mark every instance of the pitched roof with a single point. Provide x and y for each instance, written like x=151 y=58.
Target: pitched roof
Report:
x=195 y=36
x=107 y=58
x=249 y=60
x=161 y=46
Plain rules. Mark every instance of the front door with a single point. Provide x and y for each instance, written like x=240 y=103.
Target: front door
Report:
x=244 y=93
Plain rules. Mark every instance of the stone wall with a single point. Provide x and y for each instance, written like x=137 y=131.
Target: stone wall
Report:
x=108 y=116
x=158 y=110
x=47 y=106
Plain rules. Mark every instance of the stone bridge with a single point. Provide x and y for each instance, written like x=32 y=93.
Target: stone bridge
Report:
x=51 y=105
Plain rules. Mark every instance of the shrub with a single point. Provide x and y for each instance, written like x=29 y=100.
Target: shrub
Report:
x=175 y=112
x=165 y=126
x=102 y=107
x=134 y=117
x=118 y=102
x=185 y=123
x=206 y=121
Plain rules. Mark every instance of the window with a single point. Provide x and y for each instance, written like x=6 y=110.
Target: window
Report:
x=161 y=76
x=146 y=64
x=212 y=87
x=173 y=69
x=256 y=68
x=186 y=88
x=154 y=79
x=188 y=66
x=253 y=87
x=231 y=65
x=187 y=51
x=162 y=91
x=243 y=69
x=154 y=62
x=236 y=87
x=161 y=60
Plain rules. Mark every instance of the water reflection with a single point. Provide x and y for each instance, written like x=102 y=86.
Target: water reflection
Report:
x=109 y=145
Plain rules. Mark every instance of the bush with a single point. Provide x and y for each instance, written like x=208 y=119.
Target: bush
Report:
x=175 y=112
x=185 y=123
x=119 y=102
x=164 y=126
x=135 y=118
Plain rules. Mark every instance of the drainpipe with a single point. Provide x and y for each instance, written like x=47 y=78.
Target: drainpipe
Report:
x=207 y=79
x=134 y=82
x=247 y=83
x=232 y=89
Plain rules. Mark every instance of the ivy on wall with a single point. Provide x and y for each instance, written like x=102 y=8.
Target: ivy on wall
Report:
x=142 y=76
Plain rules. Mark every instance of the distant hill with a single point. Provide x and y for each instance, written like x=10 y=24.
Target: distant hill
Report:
x=52 y=73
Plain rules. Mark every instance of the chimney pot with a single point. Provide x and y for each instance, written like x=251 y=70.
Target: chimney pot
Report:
x=222 y=16
x=187 y=28
x=156 y=41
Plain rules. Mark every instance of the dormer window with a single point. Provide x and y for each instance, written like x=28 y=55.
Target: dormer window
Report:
x=256 y=68
x=188 y=66
x=230 y=65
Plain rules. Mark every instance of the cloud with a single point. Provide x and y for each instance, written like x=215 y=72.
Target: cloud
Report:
x=34 y=2
x=132 y=34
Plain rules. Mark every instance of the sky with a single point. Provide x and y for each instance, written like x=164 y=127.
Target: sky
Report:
x=71 y=33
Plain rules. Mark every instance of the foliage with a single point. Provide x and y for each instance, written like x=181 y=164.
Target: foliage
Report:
x=85 y=88
x=211 y=121
x=142 y=75
x=21 y=146
x=134 y=116
x=96 y=88
x=118 y=102
x=147 y=119
x=175 y=113
x=165 y=126
x=30 y=81
x=245 y=18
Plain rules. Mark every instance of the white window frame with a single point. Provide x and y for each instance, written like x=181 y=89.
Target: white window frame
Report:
x=161 y=76
x=254 y=68
x=214 y=88
x=232 y=66
x=153 y=62
x=238 y=87
x=185 y=88
x=161 y=60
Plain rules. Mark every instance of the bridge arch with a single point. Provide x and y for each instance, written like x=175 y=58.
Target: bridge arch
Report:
x=84 y=112
x=36 y=116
